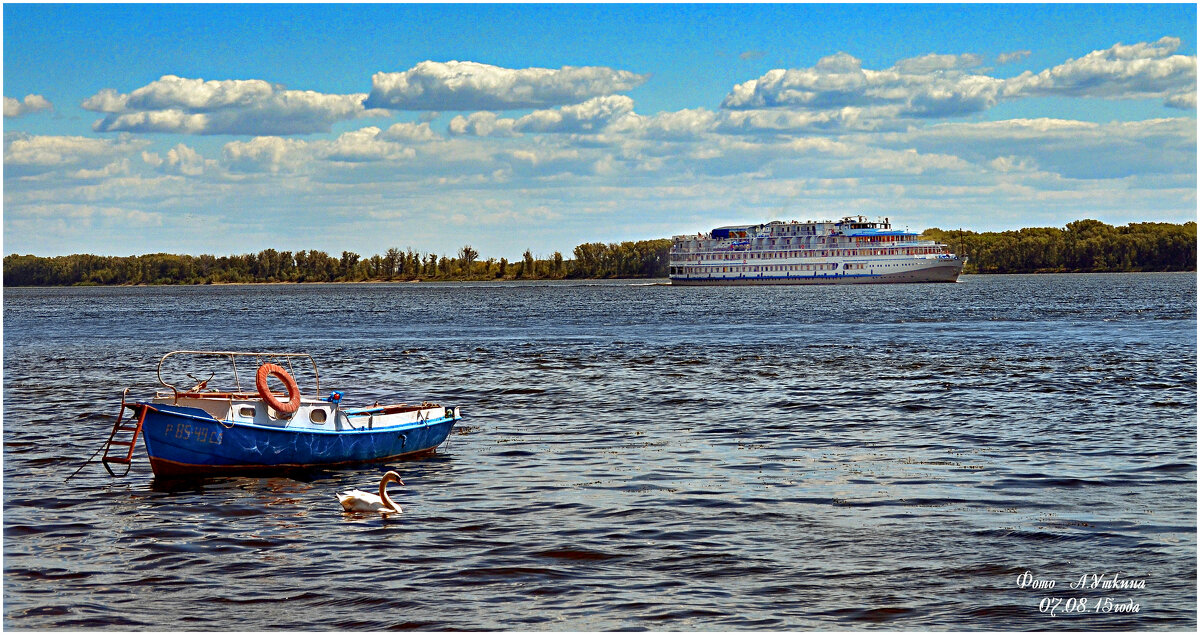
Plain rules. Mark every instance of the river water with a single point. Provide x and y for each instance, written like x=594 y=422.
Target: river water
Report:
x=635 y=456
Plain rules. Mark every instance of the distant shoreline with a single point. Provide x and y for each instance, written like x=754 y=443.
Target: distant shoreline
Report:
x=664 y=281
x=1084 y=246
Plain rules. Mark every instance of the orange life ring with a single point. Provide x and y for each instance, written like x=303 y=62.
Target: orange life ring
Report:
x=264 y=391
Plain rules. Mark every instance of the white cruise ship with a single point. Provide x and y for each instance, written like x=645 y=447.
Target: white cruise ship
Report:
x=850 y=251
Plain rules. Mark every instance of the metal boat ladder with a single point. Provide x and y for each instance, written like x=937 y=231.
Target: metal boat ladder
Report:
x=120 y=445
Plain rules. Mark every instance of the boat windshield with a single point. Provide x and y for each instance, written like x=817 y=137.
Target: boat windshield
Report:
x=191 y=371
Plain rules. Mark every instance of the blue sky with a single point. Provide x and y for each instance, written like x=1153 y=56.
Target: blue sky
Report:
x=233 y=128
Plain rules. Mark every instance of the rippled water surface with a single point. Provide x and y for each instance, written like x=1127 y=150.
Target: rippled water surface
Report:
x=633 y=457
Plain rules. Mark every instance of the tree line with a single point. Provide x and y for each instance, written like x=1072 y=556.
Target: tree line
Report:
x=1082 y=246
x=638 y=259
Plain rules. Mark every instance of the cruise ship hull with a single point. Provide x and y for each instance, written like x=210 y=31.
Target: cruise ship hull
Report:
x=944 y=273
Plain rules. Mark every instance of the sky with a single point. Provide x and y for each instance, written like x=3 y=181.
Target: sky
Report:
x=229 y=129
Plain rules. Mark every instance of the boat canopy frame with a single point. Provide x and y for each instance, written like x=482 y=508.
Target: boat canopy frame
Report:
x=261 y=357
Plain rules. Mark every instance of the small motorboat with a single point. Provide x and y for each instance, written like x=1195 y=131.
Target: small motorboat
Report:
x=203 y=431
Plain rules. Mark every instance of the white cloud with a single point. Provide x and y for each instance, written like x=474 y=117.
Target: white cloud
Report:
x=266 y=154
x=1073 y=149
x=194 y=106
x=26 y=154
x=410 y=133
x=839 y=121
x=820 y=140
x=933 y=62
x=472 y=86
x=602 y=119
x=116 y=168
x=590 y=116
x=482 y=124
x=1014 y=56
x=839 y=62
x=132 y=216
x=152 y=159
x=71 y=227
x=197 y=95
x=184 y=160
x=546 y=160
x=1012 y=164
x=1146 y=70
x=929 y=86
x=1182 y=100
x=671 y=125
x=364 y=145
x=32 y=103
x=171 y=121
x=938 y=86
x=107 y=100
x=905 y=162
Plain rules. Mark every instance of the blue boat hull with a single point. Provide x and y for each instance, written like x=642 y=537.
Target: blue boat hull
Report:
x=182 y=441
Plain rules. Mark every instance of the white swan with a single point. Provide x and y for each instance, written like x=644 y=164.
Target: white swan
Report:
x=359 y=501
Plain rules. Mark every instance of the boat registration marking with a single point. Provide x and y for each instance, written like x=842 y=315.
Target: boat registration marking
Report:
x=201 y=434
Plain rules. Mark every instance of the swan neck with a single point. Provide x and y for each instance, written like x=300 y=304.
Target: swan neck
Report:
x=387 y=501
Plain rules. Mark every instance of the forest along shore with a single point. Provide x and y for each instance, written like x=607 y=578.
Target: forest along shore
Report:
x=1084 y=246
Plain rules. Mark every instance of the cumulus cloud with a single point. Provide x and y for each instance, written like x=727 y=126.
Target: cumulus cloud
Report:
x=282 y=155
x=133 y=216
x=904 y=162
x=834 y=121
x=935 y=62
x=365 y=145
x=184 y=160
x=544 y=161
x=610 y=119
x=116 y=168
x=458 y=85
x=912 y=87
x=107 y=100
x=50 y=152
x=197 y=95
x=1012 y=164
x=81 y=216
x=32 y=103
x=680 y=125
x=265 y=154
x=482 y=124
x=194 y=106
x=1005 y=58
x=839 y=62
x=1073 y=149
x=837 y=91
x=1136 y=71
x=590 y=116
x=410 y=133
x=173 y=121
x=1182 y=100
x=832 y=136
x=507 y=213
x=612 y=114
